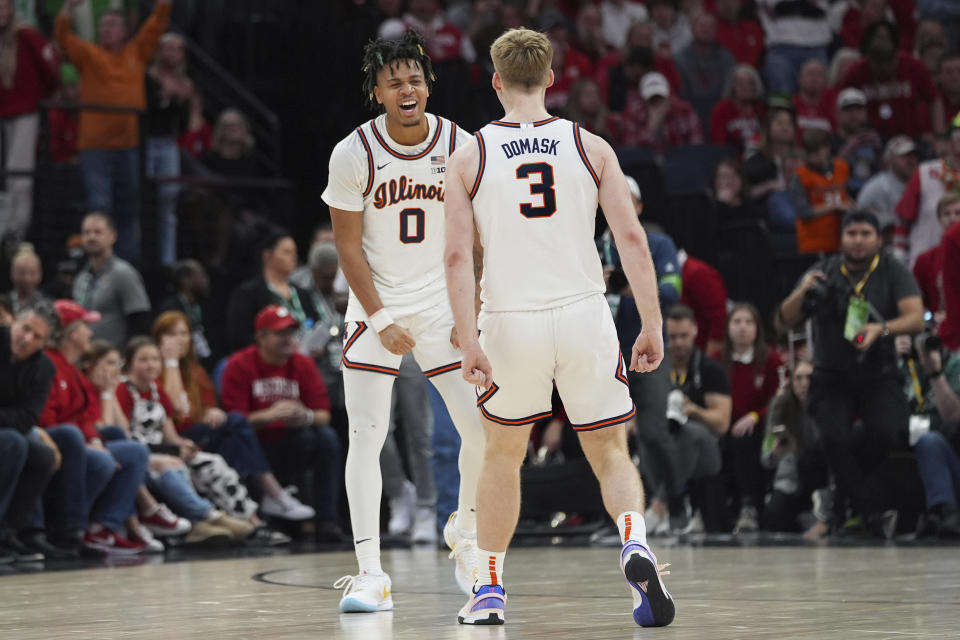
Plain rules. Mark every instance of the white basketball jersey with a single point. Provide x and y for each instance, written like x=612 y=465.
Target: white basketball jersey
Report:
x=535 y=205
x=402 y=202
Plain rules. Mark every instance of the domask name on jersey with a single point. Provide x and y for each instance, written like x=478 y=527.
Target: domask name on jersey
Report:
x=530 y=145
x=396 y=191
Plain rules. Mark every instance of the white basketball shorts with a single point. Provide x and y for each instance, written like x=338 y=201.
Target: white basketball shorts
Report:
x=575 y=346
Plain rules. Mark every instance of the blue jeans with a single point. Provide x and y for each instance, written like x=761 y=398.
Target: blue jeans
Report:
x=112 y=179
x=13 y=455
x=83 y=475
x=316 y=448
x=236 y=441
x=173 y=487
x=163 y=161
x=939 y=468
x=446 y=451
x=783 y=63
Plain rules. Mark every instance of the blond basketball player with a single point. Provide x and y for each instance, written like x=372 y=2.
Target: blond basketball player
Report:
x=385 y=193
x=531 y=183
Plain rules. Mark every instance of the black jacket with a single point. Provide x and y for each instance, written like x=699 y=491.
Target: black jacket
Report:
x=24 y=386
x=247 y=301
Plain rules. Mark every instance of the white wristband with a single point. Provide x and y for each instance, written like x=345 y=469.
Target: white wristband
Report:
x=380 y=320
x=106 y=395
x=172 y=363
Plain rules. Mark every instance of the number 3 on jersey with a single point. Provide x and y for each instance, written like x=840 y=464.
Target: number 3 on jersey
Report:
x=411 y=226
x=543 y=188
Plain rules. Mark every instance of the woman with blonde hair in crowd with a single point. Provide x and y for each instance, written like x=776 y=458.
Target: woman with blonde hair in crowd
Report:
x=198 y=416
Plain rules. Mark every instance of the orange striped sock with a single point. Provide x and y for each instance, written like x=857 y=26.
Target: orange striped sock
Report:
x=491 y=567
x=632 y=527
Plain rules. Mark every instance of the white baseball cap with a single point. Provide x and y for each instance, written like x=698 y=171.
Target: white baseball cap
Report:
x=654 y=84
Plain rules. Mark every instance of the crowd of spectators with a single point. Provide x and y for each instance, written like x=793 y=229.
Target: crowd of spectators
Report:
x=798 y=360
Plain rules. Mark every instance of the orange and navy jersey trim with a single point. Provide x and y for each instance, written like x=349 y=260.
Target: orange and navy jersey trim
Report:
x=366 y=145
x=517 y=422
x=621 y=373
x=609 y=422
x=453 y=136
x=481 y=398
x=417 y=156
x=349 y=364
x=453 y=366
x=483 y=164
x=583 y=154
x=516 y=125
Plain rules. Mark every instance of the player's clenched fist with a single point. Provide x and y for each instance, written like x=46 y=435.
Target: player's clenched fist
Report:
x=396 y=339
x=647 y=351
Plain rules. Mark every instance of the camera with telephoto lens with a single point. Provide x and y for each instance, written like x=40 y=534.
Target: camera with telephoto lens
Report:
x=822 y=296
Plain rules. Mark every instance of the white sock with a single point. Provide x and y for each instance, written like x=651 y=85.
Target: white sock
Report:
x=491 y=567
x=466 y=520
x=632 y=527
x=368 y=555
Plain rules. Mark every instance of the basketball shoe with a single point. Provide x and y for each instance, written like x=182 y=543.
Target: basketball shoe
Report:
x=486 y=606
x=365 y=593
x=463 y=550
x=652 y=603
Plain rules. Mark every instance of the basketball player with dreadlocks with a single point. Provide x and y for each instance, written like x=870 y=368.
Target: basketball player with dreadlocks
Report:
x=385 y=193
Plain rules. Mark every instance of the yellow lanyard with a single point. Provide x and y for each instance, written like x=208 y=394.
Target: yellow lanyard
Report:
x=858 y=288
x=682 y=379
x=917 y=389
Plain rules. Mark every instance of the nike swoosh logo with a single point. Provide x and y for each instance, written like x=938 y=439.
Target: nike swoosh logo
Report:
x=381 y=166
x=361 y=541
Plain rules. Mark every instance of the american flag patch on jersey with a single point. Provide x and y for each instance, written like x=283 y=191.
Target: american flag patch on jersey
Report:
x=441 y=159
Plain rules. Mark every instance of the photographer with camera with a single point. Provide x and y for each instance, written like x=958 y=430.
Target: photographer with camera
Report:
x=698 y=414
x=857 y=300
x=932 y=378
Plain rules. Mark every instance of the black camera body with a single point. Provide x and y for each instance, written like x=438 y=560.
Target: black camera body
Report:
x=825 y=297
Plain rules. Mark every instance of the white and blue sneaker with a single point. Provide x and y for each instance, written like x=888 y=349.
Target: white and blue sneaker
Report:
x=365 y=593
x=652 y=603
x=486 y=606
x=463 y=551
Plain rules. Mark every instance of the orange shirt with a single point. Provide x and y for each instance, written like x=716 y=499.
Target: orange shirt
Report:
x=822 y=233
x=115 y=79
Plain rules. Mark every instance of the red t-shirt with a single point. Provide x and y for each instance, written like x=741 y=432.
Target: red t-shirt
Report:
x=732 y=126
x=72 y=399
x=249 y=384
x=705 y=292
x=928 y=270
x=950 y=328
x=752 y=390
x=816 y=116
x=893 y=104
x=743 y=39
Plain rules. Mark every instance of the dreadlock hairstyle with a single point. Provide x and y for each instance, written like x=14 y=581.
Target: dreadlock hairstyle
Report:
x=382 y=53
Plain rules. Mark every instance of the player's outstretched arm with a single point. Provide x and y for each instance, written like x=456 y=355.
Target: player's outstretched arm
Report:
x=634 y=251
x=348 y=236
x=458 y=261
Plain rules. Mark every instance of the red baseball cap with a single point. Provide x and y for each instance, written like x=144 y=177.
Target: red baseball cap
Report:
x=274 y=318
x=70 y=312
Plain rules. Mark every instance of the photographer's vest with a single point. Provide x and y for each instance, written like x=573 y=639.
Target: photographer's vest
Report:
x=822 y=233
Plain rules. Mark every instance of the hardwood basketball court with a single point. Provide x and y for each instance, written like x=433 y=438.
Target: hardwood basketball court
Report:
x=755 y=592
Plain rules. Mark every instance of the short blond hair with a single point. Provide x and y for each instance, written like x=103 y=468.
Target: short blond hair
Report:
x=946 y=201
x=522 y=58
